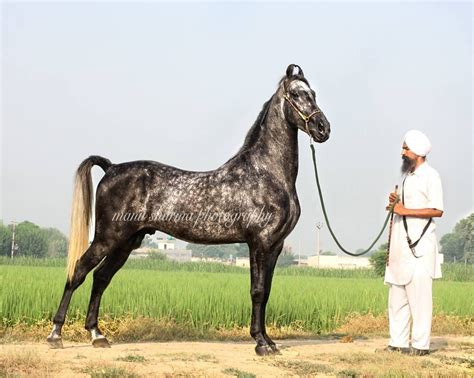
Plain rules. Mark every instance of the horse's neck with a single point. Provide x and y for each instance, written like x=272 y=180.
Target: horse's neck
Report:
x=277 y=147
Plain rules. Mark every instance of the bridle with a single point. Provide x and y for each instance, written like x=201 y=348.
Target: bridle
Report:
x=303 y=116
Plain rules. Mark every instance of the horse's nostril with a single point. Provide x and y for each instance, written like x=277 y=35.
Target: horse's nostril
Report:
x=321 y=127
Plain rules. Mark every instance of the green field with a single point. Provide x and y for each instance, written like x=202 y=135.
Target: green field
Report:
x=210 y=296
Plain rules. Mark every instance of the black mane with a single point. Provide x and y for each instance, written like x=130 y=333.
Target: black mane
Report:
x=253 y=135
x=254 y=132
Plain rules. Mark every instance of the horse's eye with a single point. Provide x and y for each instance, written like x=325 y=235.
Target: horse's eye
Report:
x=294 y=94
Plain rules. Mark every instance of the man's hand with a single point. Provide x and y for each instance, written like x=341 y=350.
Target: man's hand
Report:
x=391 y=199
x=399 y=209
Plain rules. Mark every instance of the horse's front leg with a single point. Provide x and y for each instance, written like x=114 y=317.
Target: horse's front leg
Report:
x=270 y=263
x=258 y=273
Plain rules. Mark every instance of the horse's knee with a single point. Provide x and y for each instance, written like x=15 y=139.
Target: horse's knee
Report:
x=257 y=294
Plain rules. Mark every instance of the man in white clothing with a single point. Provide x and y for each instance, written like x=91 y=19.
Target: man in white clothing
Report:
x=413 y=260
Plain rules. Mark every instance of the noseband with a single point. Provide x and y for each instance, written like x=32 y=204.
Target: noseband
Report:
x=304 y=117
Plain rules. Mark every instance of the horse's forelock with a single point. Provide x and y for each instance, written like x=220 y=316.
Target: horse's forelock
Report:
x=285 y=81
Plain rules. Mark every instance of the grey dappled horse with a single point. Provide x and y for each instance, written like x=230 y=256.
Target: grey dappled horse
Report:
x=262 y=175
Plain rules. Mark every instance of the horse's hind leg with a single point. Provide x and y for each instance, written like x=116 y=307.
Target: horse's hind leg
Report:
x=102 y=277
x=94 y=254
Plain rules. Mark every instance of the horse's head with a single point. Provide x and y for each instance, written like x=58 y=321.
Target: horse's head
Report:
x=299 y=105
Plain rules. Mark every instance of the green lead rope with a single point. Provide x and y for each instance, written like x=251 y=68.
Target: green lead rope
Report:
x=327 y=220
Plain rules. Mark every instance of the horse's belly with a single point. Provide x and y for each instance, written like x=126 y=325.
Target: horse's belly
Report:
x=199 y=227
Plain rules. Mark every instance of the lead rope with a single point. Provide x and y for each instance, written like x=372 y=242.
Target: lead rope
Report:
x=306 y=119
x=387 y=256
x=389 y=215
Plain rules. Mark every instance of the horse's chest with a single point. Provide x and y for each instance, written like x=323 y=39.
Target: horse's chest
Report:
x=291 y=213
x=295 y=210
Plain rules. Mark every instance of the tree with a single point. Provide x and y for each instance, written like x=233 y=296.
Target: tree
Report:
x=5 y=240
x=242 y=250
x=378 y=260
x=56 y=242
x=31 y=240
x=459 y=244
x=452 y=247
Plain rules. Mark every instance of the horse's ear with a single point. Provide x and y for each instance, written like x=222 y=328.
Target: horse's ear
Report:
x=290 y=71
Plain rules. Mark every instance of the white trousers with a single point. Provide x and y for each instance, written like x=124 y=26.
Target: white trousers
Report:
x=413 y=300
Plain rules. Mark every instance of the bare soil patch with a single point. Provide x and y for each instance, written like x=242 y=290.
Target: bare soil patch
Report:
x=453 y=356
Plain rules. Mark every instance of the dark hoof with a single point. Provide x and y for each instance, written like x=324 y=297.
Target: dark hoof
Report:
x=55 y=342
x=100 y=342
x=275 y=350
x=264 y=350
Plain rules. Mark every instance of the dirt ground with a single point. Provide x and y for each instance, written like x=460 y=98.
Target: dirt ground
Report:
x=452 y=357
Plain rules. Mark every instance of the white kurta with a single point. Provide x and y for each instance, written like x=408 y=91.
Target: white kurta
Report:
x=423 y=190
x=409 y=277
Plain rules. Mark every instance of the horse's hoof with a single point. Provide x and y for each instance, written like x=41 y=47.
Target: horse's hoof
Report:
x=100 y=342
x=275 y=350
x=55 y=342
x=263 y=350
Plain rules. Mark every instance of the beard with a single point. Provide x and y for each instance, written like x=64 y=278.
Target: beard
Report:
x=408 y=165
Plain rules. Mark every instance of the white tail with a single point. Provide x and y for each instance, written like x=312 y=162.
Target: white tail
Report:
x=82 y=211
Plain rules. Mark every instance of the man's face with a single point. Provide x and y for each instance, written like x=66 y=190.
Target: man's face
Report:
x=409 y=160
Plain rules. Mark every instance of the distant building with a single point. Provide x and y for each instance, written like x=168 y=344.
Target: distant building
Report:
x=167 y=247
x=165 y=244
x=242 y=261
x=175 y=254
x=338 y=262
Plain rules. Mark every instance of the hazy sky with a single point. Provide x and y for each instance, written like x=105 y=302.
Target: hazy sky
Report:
x=183 y=83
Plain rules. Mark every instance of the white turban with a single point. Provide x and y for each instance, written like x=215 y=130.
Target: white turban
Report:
x=418 y=142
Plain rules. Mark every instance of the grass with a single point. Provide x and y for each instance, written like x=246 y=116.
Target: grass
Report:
x=364 y=364
x=148 y=329
x=109 y=372
x=154 y=300
x=304 y=368
x=132 y=358
x=189 y=357
x=451 y=272
x=212 y=300
x=238 y=373
x=23 y=363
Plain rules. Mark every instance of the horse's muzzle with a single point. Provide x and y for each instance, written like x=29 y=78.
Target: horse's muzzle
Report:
x=320 y=131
